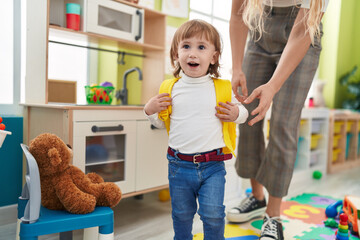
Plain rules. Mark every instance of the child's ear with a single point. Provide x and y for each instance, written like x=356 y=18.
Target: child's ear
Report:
x=215 y=58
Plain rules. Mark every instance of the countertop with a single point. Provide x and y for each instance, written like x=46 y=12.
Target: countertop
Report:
x=85 y=106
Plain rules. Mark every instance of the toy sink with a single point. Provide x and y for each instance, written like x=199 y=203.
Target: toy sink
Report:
x=3 y=134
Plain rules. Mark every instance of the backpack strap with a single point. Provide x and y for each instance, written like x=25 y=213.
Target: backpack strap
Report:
x=166 y=87
x=223 y=90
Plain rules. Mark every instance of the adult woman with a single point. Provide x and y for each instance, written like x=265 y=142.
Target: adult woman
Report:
x=279 y=65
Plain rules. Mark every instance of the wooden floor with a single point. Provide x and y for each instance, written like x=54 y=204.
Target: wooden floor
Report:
x=150 y=219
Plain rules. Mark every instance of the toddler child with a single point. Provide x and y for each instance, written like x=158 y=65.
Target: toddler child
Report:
x=200 y=113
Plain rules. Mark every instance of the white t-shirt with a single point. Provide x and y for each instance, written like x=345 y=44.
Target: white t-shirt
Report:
x=288 y=3
x=193 y=125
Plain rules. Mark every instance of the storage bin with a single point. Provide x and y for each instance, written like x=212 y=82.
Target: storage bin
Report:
x=337 y=126
x=314 y=158
x=336 y=153
x=315 y=141
x=349 y=125
x=316 y=126
x=336 y=139
x=348 y=139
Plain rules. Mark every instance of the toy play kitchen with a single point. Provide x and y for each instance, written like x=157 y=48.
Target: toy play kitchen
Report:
x=116 y=141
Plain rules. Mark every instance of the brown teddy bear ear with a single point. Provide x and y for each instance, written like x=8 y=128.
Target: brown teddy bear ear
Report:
x=54 y=156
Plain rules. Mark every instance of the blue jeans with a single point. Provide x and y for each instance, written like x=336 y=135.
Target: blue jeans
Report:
x=189 y=181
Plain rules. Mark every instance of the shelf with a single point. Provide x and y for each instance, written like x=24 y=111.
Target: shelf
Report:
x=97 y=38
x=344 y=137
x=314 y=121
x=104 y=162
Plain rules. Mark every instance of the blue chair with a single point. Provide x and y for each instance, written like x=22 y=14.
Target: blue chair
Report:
x=37 y=220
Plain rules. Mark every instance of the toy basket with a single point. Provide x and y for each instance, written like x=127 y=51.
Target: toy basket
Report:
x=99 y=94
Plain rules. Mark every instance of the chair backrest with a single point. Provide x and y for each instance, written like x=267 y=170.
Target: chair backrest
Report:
x=32 y=188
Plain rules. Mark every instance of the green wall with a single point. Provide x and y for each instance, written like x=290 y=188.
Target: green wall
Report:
x=341 y=47
x=109 y=70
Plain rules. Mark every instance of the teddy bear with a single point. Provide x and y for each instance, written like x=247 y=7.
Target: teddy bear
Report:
x=64 y=186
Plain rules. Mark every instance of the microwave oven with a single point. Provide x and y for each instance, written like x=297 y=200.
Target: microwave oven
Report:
x=115 y=19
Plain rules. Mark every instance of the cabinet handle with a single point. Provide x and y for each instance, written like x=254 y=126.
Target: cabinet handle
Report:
x=107 y=129
x=138 y=12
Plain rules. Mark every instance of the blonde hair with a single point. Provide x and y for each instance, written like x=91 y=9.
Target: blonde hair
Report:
x=253 y=16
x=190 y=29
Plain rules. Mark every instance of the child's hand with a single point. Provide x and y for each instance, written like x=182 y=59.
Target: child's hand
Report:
x=227 y=112
x=157 y=104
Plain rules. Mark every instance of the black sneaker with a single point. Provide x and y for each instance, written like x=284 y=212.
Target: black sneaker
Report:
x=248 y=209
x=271 y=229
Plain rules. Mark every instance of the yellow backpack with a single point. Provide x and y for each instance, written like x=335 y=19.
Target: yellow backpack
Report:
x=223 y=93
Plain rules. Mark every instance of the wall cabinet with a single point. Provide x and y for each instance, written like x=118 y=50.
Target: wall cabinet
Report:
x=312 y=144
x=117 y=143
x=344 y=142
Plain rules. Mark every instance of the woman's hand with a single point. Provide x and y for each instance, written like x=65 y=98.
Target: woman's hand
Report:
x=239 y=80
x=157 y=104
x=227 y=112
x=265 y=93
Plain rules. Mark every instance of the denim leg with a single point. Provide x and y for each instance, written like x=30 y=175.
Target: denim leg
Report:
x=182 y=184
x=211 y=200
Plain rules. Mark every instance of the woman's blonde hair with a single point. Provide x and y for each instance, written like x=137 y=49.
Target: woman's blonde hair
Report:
x=253 y=16
x=190 y=29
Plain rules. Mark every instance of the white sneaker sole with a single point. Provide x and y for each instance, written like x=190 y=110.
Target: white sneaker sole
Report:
x=244 y=217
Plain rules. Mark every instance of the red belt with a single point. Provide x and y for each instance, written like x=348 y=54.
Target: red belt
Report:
x=201 y=157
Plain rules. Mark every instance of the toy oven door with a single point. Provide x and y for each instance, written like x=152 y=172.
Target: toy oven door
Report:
x=108 y=149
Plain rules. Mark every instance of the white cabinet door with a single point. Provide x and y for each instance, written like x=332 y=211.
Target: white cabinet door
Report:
x=107 y=148
x=151 y=162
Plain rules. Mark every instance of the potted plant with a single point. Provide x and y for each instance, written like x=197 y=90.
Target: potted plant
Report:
x=351 y=81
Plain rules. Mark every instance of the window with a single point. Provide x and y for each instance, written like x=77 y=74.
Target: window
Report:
x=7 y=56
x=216 y=12
x=11 y=48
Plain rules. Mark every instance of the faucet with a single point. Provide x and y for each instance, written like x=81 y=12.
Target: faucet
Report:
x=123 y=93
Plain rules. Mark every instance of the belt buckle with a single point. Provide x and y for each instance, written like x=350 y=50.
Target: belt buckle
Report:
x=194 y=158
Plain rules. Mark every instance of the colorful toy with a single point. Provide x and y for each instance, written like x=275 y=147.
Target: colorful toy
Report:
x=106 y=84
x=164 y=195
x=64 y=186
x=351 y=208
x=343 y=230
x=330 y=222
x=331 y=210
x=317 y=174
x=99 y=94
x=248 y=191
x=2 y=126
